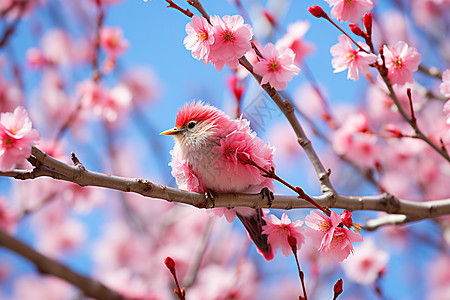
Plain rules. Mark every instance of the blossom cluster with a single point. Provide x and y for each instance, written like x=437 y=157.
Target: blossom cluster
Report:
x=223 y=41
x=327 y=233
x=16 y=138
x=400 y=60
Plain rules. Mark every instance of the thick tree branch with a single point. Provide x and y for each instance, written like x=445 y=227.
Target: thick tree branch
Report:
x=49 y=167
x=45 y=265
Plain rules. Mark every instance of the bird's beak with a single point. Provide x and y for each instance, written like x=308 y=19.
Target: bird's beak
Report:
x=172 y=131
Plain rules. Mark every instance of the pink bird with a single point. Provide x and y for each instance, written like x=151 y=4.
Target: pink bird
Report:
x=208 y=157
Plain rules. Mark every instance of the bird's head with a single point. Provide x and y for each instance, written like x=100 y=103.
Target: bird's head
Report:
x=196 y=123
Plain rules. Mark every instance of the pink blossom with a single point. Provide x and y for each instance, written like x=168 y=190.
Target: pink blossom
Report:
x=283 y=138
x=11 y=95
x=331 y=239
x=367 y=264
x=279 y=231
x=345 y=57
x=200 y=38
x=349 y=10
x=401 y=61
x=120 y=248
x=430 y=14
x=438 y=277
x=16 y=138
x=110 y=105
x=112 y=41
x=294 y=40
x=57 y=47
x=361 y=148
x=92 y=94
x=231 y=41
x=394 y=22
x=182 y=171
x=34 y=287
x=447 y=111
x=35 y=58
x=118 y=103
x=229 y=213
x=444 y=87
x=220 y=282
x=277 y=67
x=129 y=285
x=314 y=107
x=143 y=84
x=353 y=140
x=8 y=216
x=65 y=236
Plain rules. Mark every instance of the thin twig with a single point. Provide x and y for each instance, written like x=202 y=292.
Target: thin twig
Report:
x=293 y=243
x=431 y=71
x=199 y=7
x=418 y=133
x=184 y=11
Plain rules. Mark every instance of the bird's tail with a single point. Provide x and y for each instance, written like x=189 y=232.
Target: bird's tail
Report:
x=253 y=224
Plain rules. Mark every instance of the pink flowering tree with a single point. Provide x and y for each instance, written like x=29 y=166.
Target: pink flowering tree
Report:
x=340 y=109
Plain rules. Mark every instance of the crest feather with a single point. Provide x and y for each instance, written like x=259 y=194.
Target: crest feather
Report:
x=197 y=111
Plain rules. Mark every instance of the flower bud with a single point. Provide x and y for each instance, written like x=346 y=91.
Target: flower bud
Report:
x=367 y=20
x=338 y=288
x=317 y=11
x=356 y=30
x=393 y=129
x=346 y=218
x=170 y=263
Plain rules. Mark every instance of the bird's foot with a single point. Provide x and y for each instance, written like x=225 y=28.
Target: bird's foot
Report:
x=265 y=192
x=209 y=195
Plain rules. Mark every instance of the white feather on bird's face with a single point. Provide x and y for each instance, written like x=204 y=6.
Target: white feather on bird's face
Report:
x=196 y=136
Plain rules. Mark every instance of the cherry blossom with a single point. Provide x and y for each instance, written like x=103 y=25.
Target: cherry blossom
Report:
x=353 y=140
x=16 y=138
x=9 y=216
x=109 y=105
x=294 y=40
x=221 y=282
x=330 y=238
x=349 y=10
x=401 y=61
x=35 y=58
x=143 y=83
x=447 y=111
x=200 y=38
x=279 y=231
x=11 y=95
x=346 y=57
x=231 y=40
x=438 y=277
x=367 y=264
x=277 y=67
x=67 y=235
x=228 y=213
x=57 y=47
x=444 y=87
x=112 y=41
x=32 y=287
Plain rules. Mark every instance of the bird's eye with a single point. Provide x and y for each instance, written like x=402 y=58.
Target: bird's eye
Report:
x=191 y=124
